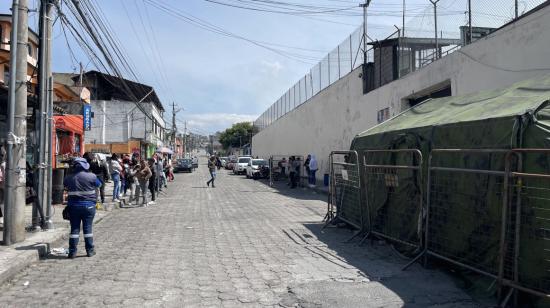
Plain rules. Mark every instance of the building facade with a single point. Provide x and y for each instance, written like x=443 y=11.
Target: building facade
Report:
x=123 y=113
x=333 y=117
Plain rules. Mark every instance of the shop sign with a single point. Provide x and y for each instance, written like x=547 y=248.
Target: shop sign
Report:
x=87 y=116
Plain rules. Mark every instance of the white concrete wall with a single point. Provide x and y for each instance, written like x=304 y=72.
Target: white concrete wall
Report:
x=119 y=121
x=330 y=120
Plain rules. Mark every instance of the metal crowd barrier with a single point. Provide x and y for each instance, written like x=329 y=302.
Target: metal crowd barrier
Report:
x=529 y=221
x=388 y=173
x=345 y=190
x=504 y=206
x=482 y=247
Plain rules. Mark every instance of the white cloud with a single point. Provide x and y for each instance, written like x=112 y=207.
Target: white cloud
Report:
x=212 y=122
x=271 y=68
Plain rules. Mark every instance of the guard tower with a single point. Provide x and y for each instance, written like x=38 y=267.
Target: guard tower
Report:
x=397 y=57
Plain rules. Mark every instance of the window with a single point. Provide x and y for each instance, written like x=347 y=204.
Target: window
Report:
x=442 y=92
x=383 y=115
x=29 y=50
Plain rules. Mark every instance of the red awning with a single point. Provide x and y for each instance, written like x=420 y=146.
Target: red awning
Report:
x=70 y=123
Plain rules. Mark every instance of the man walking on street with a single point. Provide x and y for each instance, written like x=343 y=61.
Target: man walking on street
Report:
x=82 y=190
x=212 y=170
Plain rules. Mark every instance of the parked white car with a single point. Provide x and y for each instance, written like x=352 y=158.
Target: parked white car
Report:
x=240 y=166
x=253 y=169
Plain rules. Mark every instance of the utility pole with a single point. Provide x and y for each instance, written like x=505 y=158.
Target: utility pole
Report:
x=516 y=8
x=14 y=221
x=404 y=12
x=43 y=118
x=469 y=21
x=48 y=223
x=438 y=54
x=174 y=127
x=365 y=6
x=184 y=138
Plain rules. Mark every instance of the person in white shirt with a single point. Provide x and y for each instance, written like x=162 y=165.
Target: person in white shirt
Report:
x=115 y=176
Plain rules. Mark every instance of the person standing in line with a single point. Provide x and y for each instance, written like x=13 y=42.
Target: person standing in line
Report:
x=142 y=175
x=82 y=195
x=153 y=181
x=126 y=167
x=212 y=170
x=116 y=169
x=100 y=170
x=169 y=170
x=312 y=170
x=282 y=166
x=161 y=173
x=292 y=171
x=131 y=181
x=306 y=164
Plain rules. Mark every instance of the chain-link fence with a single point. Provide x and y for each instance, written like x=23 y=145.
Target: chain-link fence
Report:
x=394 y=194
x=346 y=57
x=345 y=189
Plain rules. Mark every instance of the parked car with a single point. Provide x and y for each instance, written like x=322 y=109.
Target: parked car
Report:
x=183 y=165
x=257 y=168
x=195 y=162
x=240 y=166
x=224 y=161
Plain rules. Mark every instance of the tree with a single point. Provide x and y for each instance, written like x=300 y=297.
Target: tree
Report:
x=237 y=135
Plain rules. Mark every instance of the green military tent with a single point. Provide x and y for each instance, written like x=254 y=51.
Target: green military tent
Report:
x=464 y=216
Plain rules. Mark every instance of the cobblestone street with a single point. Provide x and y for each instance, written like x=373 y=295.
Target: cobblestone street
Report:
x=237 y=245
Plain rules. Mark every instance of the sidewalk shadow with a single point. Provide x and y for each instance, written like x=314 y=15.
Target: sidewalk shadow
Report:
x=301 y=193
x=380 y=262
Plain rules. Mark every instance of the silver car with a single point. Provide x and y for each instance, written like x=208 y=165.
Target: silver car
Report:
x=240 y=166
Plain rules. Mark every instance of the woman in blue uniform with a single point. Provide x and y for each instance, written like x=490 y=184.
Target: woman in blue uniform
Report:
x=82 y=191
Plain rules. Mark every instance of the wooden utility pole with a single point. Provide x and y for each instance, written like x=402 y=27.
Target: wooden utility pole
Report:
x=14 y=220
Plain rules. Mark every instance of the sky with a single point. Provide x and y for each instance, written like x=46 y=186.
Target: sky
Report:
x=217 y=80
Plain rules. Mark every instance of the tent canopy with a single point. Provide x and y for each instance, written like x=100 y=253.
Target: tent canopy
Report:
x=527 y=97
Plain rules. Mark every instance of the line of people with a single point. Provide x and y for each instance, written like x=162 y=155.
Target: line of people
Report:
x=293 y=166
x=89 y=175
x=138 y=176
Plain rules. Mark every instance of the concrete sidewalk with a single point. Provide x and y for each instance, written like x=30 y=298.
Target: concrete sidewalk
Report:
x=38 y=244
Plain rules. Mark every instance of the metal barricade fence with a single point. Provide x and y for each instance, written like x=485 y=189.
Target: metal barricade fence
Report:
x=345 y=189
x=394 y=194
x=467 y=208
x=279 y=168
x=528 y=268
